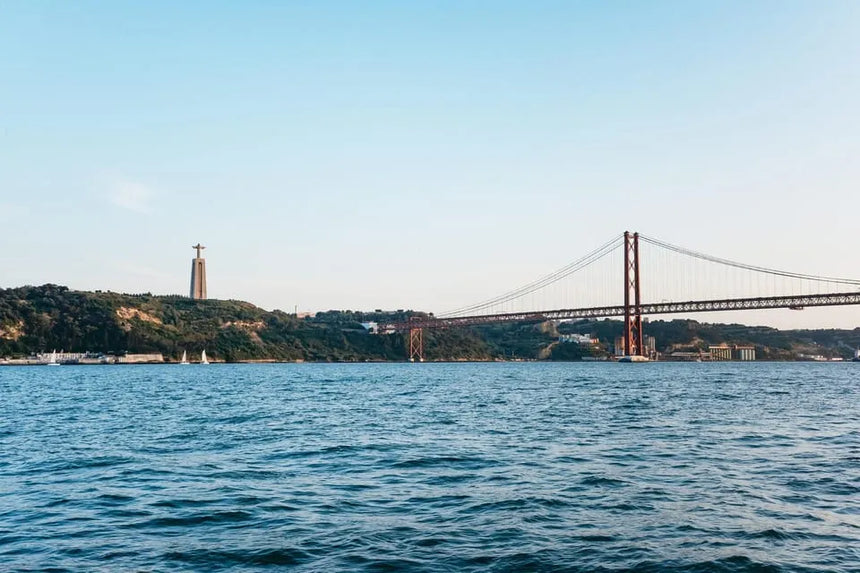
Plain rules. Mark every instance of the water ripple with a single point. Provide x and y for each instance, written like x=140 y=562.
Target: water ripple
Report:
x=432 y=467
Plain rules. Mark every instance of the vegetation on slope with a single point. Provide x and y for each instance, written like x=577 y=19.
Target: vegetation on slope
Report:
x=39 y=319
x=43 y=318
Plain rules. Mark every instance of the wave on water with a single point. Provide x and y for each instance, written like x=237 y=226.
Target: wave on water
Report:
x=450 y=467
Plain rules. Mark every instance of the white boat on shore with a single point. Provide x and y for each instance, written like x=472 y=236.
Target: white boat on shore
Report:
x=53 y=360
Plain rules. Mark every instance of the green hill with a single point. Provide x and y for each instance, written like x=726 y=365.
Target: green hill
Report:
x=40 y=319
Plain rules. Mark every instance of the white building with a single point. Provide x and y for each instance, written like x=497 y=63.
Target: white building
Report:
x=578 y=339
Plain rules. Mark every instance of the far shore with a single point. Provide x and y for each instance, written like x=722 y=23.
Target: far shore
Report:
x=27 y=362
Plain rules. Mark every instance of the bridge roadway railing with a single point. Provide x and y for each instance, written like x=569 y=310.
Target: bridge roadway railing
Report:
x=794 y=302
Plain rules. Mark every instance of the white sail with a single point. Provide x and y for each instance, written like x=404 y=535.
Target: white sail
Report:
x=184 y=358
x=203 y=358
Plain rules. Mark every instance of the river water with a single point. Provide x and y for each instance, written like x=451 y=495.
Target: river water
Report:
x=431 y=467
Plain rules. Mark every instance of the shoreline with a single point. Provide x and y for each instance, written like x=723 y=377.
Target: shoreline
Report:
x=15 y=362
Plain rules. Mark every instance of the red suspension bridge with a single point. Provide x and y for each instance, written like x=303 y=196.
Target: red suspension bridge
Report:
x=688 y=281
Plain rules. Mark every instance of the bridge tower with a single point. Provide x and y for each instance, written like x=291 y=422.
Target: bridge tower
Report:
x=633 y=340
x=416 y=343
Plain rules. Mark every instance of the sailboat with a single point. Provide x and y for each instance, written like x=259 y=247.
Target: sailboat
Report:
x=184 y=358
x=53 y=360
x=203 y=358
x=856 y=356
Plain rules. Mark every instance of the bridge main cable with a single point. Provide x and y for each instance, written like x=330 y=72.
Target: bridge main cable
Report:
x=542 y=282
x=737 y=265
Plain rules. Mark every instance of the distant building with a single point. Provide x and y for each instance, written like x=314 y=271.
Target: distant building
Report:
x=649 y=342
x=139 y=358
x=94 y=358
x=816 y=357
x=813 y=357
x=66 y=357
x=720 y=352
x=684 y=356
x=371 y=327
x=745 y=353
x=736 y=352
x=578 y=339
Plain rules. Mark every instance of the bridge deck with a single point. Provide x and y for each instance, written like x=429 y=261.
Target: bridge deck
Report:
x=795 y=301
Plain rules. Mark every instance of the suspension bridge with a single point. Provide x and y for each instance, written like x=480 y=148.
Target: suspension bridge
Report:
x=684 y=281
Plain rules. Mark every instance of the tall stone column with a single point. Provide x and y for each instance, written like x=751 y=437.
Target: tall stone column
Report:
x=198 y=275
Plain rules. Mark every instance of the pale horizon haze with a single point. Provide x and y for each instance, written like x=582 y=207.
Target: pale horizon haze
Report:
x=422 y=155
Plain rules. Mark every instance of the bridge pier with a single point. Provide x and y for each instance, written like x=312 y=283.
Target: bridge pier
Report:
x=416 y=344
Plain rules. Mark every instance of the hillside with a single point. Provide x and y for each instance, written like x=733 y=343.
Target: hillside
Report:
x=39 y=319
x=43 y=318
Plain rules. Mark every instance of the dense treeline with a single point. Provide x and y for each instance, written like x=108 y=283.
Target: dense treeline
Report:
x=48 y=317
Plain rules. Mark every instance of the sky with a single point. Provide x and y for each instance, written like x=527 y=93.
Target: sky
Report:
x=423 y=155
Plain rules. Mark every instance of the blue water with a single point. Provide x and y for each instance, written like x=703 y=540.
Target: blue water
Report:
x=431 y=467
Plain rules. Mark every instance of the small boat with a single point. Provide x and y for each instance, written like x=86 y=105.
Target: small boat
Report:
x=634 y=358
x=203 y=358
x=856 y=356
x=53 y=360
x=184 y=358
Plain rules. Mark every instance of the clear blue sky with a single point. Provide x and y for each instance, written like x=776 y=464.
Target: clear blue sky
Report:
x=421 y=154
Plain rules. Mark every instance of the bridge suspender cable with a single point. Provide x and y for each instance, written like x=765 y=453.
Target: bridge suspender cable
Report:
x=542 y=282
